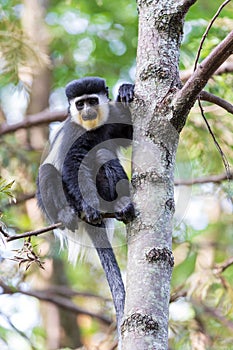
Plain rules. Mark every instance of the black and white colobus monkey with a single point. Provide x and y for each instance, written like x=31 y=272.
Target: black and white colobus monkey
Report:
x=81 y=180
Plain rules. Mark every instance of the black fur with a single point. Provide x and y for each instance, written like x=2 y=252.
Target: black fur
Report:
x=87 y=85
x=91 y=173
x=84 y=179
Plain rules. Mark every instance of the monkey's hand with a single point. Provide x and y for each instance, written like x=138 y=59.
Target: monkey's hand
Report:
x=90 y=214
x=68 y=218
x=125 y=94
x=124 y=210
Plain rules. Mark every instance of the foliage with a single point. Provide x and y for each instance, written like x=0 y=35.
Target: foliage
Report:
x=5 y=188
x=89 y=36
x=18 y=53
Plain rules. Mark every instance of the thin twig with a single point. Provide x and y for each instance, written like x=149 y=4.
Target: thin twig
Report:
x=222 y=154
x=2 y=231
x=207 y=31
x=22 y=334
x=67 y=292
x=226 y=67
x=203 y=180
x=220 y=268
x=188 y=94
x=33 y=233
x=42 y=230
x=207 y=96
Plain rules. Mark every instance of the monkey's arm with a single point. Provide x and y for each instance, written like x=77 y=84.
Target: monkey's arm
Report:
x=51 y=197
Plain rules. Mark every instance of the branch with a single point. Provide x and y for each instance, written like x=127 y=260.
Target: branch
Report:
x=226 y=67
x=19 y=200
x=44 y=117
x=186 y=97
x=8 y=320
x=186 y=4
x=219 y=148
x=67 y=292
x=220 y=268
x=41 y=230
x=57 y=300
x=30 y=233
x=204 y=180
x=207 y=96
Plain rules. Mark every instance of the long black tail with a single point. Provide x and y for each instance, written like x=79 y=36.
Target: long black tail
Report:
x=98 y=235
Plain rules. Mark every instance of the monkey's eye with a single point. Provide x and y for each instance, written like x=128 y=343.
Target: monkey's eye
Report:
x=93 y=101
x=79 y=104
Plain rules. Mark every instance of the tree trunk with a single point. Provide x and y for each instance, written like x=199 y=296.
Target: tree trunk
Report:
x=150 y=259
x=34 y=26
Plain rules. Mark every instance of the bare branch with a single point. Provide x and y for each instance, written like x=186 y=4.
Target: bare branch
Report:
x=41 y=230
x=32 y=233
x=22 y=334
x=226 y=67
x=55 y=299
x=219 y=148
x=220 y=268
x=67 y=292
x=19 y=200
x=207 y=96
x=204 y=180
x=186 y=97
x=44 y=117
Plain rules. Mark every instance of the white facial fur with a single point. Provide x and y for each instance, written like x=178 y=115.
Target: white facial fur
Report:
x=103 y=111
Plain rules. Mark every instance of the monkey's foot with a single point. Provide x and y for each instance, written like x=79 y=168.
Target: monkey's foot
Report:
x=124 y=210
x=91 y=215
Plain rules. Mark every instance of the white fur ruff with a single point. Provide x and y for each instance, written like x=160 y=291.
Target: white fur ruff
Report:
x=78 y=243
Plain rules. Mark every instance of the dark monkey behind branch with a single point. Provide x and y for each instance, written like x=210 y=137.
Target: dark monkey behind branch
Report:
x=81 y=180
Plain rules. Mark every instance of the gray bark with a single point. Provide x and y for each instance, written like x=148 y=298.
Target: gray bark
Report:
x=150 y=259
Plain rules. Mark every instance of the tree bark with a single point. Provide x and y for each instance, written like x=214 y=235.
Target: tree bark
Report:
x=150 y=259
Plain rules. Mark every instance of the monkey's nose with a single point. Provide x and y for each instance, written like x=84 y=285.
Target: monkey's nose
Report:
x=90 y=114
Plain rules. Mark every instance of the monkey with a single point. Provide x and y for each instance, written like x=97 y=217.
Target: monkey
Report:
x=81 y=181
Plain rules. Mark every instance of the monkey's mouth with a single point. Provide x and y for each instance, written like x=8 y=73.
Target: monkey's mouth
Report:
x=90 y=115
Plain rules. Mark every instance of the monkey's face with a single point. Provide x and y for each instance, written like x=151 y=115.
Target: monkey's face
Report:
x=89 y=111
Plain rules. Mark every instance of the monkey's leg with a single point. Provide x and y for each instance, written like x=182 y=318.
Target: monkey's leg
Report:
x=51 y=197
x=113 y=186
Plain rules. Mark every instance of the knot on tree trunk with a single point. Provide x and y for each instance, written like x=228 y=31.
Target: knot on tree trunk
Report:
x=142 y=324
x=160 y=254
